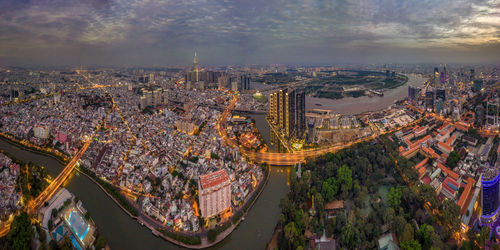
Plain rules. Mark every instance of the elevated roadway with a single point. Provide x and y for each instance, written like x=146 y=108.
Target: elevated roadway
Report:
x=49 y=191
x=285 y=159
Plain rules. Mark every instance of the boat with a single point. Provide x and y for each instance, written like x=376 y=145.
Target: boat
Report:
x=318 y=104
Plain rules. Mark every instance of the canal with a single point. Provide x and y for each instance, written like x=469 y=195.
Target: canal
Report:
x=122 y=232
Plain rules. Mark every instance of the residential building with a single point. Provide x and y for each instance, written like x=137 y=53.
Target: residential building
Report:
x=214 y=193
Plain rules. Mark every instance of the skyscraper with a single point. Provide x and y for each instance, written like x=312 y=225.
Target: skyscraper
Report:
x=429 y=99
x=244 y=82
x=492 y=111
x=441 y=94
x=444 y=75
x=412 y=93
x=195 y=67
x=300 y=117
x=435 y=79
x=287 y=112
x=490 y=197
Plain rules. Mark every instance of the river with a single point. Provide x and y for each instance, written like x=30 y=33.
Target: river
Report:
x=122 y=232
x=351 y=105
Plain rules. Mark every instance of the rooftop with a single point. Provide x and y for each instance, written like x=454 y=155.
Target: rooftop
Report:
x=213 y=179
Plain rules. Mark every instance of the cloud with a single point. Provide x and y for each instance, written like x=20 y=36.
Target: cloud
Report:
x=244 y=31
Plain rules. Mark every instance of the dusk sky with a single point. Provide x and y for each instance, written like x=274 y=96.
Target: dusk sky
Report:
x=161 y=33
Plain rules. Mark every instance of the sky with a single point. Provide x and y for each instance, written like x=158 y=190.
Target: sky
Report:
x=166 y=33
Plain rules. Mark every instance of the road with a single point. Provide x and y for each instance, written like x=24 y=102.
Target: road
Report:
x=50 y=190
x=286 y=159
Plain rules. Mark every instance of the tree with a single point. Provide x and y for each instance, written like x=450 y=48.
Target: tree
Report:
x=344 y=175
x=21 y=233
x=41 y=233
x=348 y=235
x=287 y=207
x=394 y=197
x=212 y=235
x=388 y=214
x=398 y=225
x=411 y=245
x=329 y=189
x=453 y=159
x=100 y=243
x=451 y=214
x=484 y=236
x=53 y=213
x=428 y=194
x=428 y=236
x=319 y=202
x=53 y=245
x=407 y=234
x=291 y=233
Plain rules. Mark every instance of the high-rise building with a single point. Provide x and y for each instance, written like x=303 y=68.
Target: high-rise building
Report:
x=195 y=67
x=412 y=93
x=142 y=102
x=429 y=99
x=144 y=79
x=472 y=74
x=244 y=82
x=214 y=193
x=310 y=131
x=151 y=77
x=287 y=112
x=435 y=78
x=149 y=97
x=234 y=84
x=41 y=131
x=300 y=115
x=441 y=94
x=444 y=75
x=490 y=196
x=492 y=111
x=223 y=82
x=157 y=96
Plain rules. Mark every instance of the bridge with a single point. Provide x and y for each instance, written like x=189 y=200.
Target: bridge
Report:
x=279 y=159
x=34 y=205
x=295 y=157
x=49 y=191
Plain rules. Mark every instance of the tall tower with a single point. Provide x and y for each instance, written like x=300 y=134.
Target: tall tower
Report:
x=287 y=111
x=490 y=197
x=195 y=66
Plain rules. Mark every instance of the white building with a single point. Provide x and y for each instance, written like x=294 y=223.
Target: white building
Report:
x=214 y=193
x=41 y=131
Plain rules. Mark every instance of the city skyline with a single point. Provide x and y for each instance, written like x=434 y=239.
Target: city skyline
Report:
x=138 y=33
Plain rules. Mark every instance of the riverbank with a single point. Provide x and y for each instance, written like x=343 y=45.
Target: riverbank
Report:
x=238 y=218
x=121 y=231
x=204 y=243
x=140 y=220
x=32 y=148
x=354 y=106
